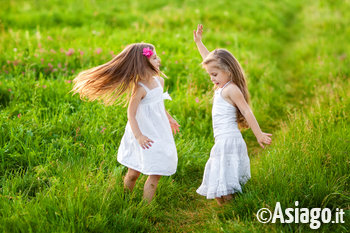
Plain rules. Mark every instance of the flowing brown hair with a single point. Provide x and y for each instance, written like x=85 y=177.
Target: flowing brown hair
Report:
x=117 y=77
x=227 y=62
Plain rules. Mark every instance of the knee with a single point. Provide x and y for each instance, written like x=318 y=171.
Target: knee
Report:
x=154 y=179
x=133 y=176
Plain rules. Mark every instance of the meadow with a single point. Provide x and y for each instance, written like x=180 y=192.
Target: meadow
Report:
x=58 y=167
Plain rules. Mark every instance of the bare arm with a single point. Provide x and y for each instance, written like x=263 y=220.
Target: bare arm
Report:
x=144 y=141
x=173 y=123
x=168 y=115
x=237 y=98
x=197 y=37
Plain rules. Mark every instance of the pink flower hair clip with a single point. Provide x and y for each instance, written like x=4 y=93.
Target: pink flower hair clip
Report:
x=147 y=52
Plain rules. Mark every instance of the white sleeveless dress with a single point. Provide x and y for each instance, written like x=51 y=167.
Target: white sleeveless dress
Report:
x=228 y=166
x=161 y=157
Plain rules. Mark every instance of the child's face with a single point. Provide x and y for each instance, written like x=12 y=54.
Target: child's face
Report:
x=218 y=76
x=155 y=60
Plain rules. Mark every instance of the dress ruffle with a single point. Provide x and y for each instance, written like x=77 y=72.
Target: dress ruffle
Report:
x=166 y=96
x=227 y=169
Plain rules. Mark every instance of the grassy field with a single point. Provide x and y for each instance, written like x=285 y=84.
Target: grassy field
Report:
x=58 y=168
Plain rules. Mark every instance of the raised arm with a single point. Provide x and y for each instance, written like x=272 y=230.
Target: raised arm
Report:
x=197 y=37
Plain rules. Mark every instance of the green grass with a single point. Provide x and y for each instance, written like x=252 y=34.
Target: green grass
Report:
x=58 y=168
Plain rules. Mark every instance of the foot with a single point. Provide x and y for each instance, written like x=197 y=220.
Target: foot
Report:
x=220 y=201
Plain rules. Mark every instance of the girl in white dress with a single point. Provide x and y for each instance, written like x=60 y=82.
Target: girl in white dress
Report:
x=148 y=145
x=228 y=166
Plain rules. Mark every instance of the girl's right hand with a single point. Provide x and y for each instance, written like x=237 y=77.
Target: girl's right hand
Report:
x=144 y=141
x=264 y=139
x=197 y=35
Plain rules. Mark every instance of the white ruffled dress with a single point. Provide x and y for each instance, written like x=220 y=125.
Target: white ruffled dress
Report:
x=228 y=167
x=161 y=157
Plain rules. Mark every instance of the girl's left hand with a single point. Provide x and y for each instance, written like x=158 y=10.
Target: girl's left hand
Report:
x=174 y=125
x=197 y=34
x=264 y=138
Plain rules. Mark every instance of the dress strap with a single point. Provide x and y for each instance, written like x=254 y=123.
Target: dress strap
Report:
x=144 y=86
x=160 y=85
x=225 y=85
x=222 y=88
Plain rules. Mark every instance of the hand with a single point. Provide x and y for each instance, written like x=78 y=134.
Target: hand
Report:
x=174 y=125
x=197 y=35
x=144 y=141
x=264 y=138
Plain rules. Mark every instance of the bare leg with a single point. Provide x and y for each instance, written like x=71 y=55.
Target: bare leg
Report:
x=150 y=187
x=220 y=200
x=130 y=179
x=224 y=199
x=227 y=198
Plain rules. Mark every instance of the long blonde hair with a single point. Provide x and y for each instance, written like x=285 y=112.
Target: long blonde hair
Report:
x=227 y=62
x=117 y=77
